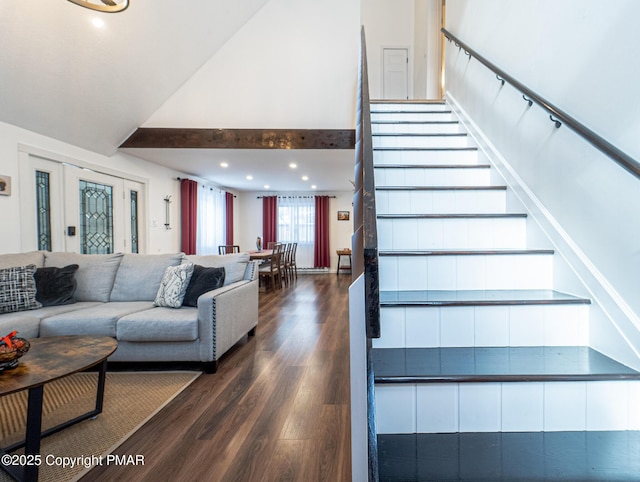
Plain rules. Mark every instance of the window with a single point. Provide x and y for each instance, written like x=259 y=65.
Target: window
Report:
x=296 y=224
x=211 y=224
x=43 y=208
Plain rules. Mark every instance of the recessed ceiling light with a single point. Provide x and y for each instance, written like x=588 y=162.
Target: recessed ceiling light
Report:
x=224 y=164
x=249 y=178
x=305 y=178
x=97 y=22
x=313 y=186
x=293 y=165
x=266 y=186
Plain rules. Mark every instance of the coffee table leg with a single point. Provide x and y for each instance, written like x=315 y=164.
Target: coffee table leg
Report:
x=102 y=374
x=34 y=429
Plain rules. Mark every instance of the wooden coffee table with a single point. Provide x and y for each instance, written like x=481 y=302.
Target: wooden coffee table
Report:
x=49 y=359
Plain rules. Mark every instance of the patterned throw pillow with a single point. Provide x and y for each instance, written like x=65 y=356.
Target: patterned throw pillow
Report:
x=18 y=289
x=174 y=285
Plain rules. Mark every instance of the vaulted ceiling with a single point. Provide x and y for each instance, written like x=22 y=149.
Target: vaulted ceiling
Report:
x=93 y=86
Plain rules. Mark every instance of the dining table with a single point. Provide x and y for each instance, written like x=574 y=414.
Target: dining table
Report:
x=262 y=255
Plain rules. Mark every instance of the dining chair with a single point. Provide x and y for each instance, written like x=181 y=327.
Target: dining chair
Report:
x=293 y=268
x=284 y=261
x=228 y=249
x=271 y=244
x=270 y=271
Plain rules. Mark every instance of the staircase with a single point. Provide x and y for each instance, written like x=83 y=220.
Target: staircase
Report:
x=483 y=369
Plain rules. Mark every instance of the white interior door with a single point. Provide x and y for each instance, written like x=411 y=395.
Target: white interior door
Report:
x=93 y=210
x=395 y=78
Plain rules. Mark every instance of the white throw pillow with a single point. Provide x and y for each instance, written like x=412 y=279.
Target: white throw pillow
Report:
x=174 y=285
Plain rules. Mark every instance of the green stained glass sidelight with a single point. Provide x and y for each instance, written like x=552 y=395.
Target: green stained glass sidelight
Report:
x=43 y=210
x=96 y=218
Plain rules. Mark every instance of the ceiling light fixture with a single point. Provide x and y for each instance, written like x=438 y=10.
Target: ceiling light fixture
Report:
x=249 y=178
x=293 y=165
x=224 y=164
x=97 y=22
x=109 y=6
x=266 y=186
x=313 y=186
x=305 y=178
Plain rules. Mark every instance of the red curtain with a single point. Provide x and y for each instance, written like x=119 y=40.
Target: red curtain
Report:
x=228 y=197
x=321 y=258
x=269 y=220
x=189 y=214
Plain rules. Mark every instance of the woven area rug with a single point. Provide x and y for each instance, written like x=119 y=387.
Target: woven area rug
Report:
x=130 y=399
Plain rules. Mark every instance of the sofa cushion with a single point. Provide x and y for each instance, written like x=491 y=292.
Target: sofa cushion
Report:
x=18 y=289
x=139 y=276
x=99 y=320
x=55 y=286
x=22 y=259
x=27 y=323
x=234 y=264
x=174 y=286
x=202 y=280
x=159 y=324
x=95 y=275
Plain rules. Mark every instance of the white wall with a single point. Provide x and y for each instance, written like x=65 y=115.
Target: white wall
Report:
x=414 y=24
x=294 y=64
x=248 y=225
x=161 y=182
x=579 y=54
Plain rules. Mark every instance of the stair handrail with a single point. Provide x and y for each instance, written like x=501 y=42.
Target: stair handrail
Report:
x=365 y=237
x=557 y=115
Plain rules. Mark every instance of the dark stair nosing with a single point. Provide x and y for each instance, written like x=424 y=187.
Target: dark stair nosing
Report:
x=466 y=252
x=432 y=166
x=496 y=364
x=409 y=101
x=410 y=111
x=395 y=122
x=448 y=298
x=611 y=455
x=425 y=148
x=452 y=216
x=441 y=188
x=419 y=134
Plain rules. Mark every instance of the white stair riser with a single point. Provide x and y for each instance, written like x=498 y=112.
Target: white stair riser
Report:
x=441 y=202
x=406 y=107
x=432 y=177
x=420 y=141
x=483 y=326
x=507 y=407
x=464 y=233
x=463 y=272
x=407 y=128
x=433 y=157
x=411 y=116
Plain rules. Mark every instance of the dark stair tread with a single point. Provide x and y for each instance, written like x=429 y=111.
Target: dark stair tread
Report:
x=466 y=252
x=509 y=457
x=452 y=216
x=441 y=188
x=400 y=121
x=495 y=364
x=425 y=148
x=432 y=166
x=419 y=134
x=426 y=111
x=477 y=298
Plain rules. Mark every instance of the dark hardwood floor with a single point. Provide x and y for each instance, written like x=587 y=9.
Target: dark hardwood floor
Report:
x=277 y=409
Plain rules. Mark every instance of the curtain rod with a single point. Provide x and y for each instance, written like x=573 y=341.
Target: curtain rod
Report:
x=203 y=185
x=285 y=197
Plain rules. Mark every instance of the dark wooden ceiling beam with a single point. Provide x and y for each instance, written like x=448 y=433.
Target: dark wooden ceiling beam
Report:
x=179 y=138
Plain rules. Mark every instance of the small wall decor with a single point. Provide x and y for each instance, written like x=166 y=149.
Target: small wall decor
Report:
x=5 y=185
x=343 y=215
x=167 y=203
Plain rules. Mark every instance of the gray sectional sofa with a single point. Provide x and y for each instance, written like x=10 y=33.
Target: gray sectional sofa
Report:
x=115 y=295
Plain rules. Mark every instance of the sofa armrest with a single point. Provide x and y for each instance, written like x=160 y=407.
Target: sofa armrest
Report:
x=225 y=315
